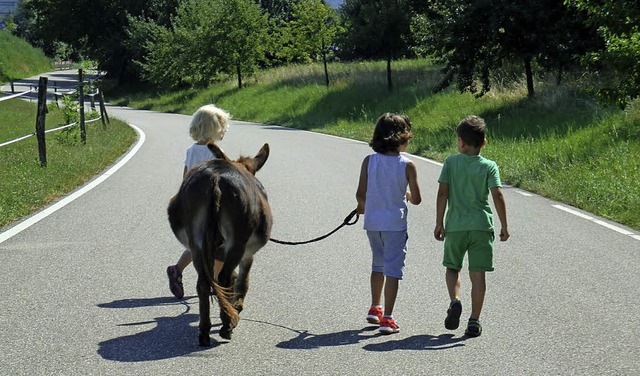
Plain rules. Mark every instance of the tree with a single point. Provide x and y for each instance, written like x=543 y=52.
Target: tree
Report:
x=475 y=38
x=376 y=29
x=618 y=22
x=93 y=28
x=311 y=31
x=206 y=38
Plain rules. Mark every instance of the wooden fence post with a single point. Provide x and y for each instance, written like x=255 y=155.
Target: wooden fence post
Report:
x=92 y=94
x=40 y=120
x=83 y=131
x=103 y=109
x=13 y=91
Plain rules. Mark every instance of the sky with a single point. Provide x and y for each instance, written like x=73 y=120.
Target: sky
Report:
x=335 y=3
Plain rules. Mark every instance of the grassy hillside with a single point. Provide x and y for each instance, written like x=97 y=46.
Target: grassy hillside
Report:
x=561 y=144
x=18 y=59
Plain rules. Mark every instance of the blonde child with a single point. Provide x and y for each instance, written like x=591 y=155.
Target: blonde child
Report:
x=208 y=124
x=382 y=197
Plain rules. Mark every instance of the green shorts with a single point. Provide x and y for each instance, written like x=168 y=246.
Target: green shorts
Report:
x=479 y=245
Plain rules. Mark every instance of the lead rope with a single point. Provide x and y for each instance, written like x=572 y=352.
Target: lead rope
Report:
x=346 y=222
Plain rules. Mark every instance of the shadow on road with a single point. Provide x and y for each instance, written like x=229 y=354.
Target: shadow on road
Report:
x=167 y=337
x=421 y=342
x=306 y=340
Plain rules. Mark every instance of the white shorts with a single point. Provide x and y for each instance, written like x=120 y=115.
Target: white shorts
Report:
x=389 y=249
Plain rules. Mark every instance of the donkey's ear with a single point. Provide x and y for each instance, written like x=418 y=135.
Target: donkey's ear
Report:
x=261 y=157
x=216 y=151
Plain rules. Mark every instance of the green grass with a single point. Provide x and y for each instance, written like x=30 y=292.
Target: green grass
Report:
x=24 y=185
x=561 y=144
x=18 y=59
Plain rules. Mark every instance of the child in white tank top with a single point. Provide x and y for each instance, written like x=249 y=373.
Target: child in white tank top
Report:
x=382 y=197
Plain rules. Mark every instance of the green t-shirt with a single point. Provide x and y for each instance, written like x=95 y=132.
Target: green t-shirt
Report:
x=470 y=177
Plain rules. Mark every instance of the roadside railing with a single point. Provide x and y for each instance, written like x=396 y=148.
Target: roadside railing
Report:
x=42 y=111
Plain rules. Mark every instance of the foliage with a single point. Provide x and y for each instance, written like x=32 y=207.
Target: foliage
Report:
x=377 y=29
x=9 y=23
x=309 y=33
x=278 y=10
x=618 y=22
x=94 y=28
x=18 y=59
x=195 y=50
x=475 y=38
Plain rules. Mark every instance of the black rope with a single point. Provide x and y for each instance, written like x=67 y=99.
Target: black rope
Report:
x=346 y=222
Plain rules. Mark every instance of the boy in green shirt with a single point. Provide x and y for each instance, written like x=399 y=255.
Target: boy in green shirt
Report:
x=465 y=182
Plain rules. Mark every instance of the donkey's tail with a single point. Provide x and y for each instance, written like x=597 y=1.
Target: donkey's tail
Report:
x=225 y=296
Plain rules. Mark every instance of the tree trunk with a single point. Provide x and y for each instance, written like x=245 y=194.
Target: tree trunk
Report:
x=529 y=73
x=559 y=76
x=324 y=61
x=389 y=82
x=239 y=72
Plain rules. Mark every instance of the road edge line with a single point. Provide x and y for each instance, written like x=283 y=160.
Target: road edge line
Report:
x=15 y=230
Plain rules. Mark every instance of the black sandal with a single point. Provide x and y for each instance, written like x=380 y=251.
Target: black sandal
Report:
x=474 y=329
x=175 y=281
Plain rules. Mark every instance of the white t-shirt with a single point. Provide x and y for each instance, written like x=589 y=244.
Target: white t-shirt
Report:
x=197 y=154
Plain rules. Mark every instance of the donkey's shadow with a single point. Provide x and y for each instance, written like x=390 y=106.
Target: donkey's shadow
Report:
x=167 y=337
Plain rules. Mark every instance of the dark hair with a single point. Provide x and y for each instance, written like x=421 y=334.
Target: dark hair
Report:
x=472 y=131
x=392 y=130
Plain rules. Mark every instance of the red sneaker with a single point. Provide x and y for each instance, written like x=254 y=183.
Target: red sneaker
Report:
x=388 y=325
x=374 y=315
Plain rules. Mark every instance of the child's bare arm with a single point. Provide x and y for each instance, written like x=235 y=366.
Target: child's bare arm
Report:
x=501 y=209
x=361 y=192
x=413 y=196
x=441 y=205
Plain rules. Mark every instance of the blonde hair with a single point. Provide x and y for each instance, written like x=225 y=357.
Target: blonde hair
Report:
x=209 y=124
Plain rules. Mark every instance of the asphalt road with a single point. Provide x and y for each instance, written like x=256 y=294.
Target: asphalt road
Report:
x=84 y=290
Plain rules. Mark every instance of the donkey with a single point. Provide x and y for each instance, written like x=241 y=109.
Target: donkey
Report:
x=221 y=212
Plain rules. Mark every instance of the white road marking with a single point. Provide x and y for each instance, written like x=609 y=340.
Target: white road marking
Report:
x=60 y=204
x=598 y=221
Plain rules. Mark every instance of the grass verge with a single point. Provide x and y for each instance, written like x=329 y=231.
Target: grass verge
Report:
x=25 y=186
x=560 y=144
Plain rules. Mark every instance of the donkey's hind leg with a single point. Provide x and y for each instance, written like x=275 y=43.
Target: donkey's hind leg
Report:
x=241 y=285
x=233 y=255
x=204 y=295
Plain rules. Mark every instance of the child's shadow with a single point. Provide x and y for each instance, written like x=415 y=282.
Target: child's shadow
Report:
x=420 y=342
x=306 y=340
x=167 y=337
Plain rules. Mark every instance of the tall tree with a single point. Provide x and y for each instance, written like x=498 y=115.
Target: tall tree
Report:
x=206 y=38
x=312 y=29
x=377 y=29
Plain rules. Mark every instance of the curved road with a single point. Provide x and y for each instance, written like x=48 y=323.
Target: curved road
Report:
x=84 y=289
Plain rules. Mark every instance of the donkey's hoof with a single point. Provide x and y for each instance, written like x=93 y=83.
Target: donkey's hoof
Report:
x=225 y=332
x=204 y=340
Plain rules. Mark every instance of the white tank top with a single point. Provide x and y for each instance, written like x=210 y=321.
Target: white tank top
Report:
x=386 y=205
